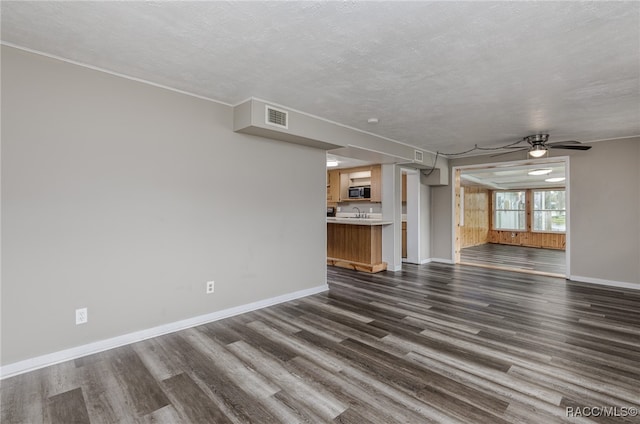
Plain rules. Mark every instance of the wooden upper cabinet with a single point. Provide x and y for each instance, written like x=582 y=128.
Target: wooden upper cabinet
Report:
x=376 y=183
x=333 y=186
x=343 y=191
x=339 y=181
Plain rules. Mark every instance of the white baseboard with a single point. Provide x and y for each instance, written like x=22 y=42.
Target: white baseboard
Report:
x=442 y=261
x=415 y=261
x=620 y=284
x=33 y=364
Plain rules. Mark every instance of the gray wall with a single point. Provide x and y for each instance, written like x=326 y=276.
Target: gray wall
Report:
x=126 y=198
x=605 y=210
x=425 y=222
x=441 y=222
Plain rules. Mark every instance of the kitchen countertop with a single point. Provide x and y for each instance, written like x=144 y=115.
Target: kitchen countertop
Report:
x=358 y=221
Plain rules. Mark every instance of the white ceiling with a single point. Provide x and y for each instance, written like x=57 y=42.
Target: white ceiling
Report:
x=438 y=75
x=513 y=177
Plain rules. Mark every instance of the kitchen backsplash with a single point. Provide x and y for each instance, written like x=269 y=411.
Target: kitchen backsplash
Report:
x=365 y=207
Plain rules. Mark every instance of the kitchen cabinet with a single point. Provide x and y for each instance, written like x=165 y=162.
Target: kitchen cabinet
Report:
x=376 y=183
x=404 y=188
x=356 y=245
x=361 y=176
x=404 y=239
x=333 y=186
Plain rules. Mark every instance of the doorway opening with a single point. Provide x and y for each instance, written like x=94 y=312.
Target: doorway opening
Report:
x=513 y=216
x=415 y=217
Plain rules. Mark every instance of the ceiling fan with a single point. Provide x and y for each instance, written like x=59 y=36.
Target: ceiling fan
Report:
x=538 y=145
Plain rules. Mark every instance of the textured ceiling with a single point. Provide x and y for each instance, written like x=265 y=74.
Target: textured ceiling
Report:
x=514 y=177
x=438 y=75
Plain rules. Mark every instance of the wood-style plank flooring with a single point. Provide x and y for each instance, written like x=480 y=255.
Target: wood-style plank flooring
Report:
x=527 y=259
x=430 y=344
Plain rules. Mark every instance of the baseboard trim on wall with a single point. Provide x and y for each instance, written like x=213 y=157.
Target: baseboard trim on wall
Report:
x=38 y=362
x=442 y=261
x=416 y=261
x=620 y=284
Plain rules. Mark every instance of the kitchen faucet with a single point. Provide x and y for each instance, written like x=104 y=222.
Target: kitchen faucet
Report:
x=360 y=214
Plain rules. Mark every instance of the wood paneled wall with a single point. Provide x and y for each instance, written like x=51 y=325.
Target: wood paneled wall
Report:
x=475 y=230
x=525 y=238
x=529 y=239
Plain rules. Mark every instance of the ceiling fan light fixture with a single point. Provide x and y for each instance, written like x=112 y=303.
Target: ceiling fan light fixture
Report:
x=537 y=151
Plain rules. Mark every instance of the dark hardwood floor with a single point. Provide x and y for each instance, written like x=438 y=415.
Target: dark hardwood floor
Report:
x=528 y=259
x=432 y=343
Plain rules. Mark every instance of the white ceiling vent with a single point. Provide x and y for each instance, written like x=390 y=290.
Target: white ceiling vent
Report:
x=418 y=156
x=276 y=117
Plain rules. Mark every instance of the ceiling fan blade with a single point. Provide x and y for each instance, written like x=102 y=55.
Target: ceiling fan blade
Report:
x=570 y=147
x=513 y=151
x=563 y=142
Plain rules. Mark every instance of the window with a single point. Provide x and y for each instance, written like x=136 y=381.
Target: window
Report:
x=549 y=211
x=509 y=210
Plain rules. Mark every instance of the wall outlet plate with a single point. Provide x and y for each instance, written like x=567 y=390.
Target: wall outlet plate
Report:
x=210 y=286
x=81 y=316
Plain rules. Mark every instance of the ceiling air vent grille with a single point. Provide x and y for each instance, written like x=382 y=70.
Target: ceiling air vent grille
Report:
x=418 y=156
x=276 y=117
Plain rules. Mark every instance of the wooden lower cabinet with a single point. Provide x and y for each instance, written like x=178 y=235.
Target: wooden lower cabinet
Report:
x=356 y=247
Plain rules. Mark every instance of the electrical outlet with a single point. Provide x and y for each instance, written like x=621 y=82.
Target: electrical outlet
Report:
x=210 y=286
x=81 y=316
x=370 y=210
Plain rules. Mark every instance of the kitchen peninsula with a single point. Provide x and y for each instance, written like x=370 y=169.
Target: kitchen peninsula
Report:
x=355 y=243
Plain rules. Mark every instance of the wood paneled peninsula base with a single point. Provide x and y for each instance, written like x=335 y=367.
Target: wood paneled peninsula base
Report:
x=355 y=244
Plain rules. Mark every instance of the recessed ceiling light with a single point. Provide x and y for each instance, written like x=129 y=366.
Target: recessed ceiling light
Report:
x=555 y=179
x=372 y=120
x=332 y=163
x=540 y=171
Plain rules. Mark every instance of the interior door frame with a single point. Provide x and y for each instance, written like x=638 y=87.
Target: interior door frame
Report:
x=455 y=200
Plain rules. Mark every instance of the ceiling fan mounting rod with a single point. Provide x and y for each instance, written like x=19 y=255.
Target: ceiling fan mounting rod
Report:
x=537 y=139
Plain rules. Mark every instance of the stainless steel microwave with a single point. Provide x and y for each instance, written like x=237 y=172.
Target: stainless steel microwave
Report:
x=361 y=192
